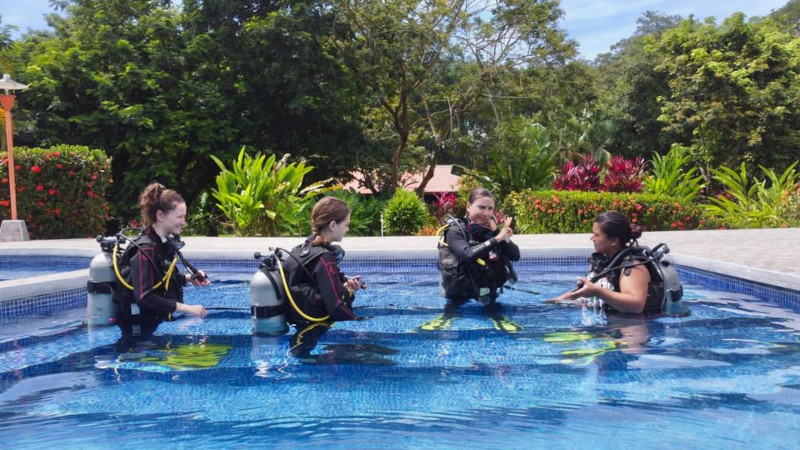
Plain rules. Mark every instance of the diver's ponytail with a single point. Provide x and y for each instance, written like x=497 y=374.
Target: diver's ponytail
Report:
x=636 y=233
x=154 y=198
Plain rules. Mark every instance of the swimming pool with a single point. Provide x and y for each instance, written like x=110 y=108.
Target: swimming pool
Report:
x=14 y=267
x=536 y=374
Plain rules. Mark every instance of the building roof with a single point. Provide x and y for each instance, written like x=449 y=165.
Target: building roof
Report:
x=443 y=181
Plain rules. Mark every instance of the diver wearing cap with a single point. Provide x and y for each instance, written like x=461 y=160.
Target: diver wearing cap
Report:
x=475 y=254
x=319 y=291
x=628 y=278
x=156 y=284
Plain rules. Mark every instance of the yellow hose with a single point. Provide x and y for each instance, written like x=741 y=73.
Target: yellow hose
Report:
x=291 y=299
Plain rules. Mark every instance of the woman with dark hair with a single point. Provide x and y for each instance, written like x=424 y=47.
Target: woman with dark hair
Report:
x=157 y=284
x=475 y=253
x=319 y=291
x=627 y=288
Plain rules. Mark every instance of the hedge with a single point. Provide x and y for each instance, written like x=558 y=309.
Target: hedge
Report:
x=575 y=211
x=61 y=191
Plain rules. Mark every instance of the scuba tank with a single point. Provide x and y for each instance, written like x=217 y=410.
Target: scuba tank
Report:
x=100 y=309
x=267 y=297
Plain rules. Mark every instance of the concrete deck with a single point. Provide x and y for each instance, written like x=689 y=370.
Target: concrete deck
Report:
x=763 y=255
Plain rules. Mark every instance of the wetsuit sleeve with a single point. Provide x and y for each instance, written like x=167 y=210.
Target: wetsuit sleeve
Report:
x=461 y=248
x=144 y=277
x=509 y=249
x=331 y=286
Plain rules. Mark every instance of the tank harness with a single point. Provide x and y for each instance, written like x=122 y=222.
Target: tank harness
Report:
x=450 y=265
x=122 y=293
x=665 y=290
x=287 y=279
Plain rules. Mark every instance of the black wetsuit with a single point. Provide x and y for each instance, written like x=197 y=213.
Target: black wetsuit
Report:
x=655 y=287
x=318 y=290
x=466 y=276
x=147 y=268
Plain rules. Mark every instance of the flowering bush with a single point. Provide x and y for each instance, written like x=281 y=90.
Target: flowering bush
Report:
x=574 y=212
x=60 y=191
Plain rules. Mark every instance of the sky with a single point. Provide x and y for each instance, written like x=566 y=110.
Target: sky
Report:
x=595 y=24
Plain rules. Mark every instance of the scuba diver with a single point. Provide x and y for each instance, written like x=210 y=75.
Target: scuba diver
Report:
x=148 y=278
x=475 y=254
x=624 y=277
x=319 y=292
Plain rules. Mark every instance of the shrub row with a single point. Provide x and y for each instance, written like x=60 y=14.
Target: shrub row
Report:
x=574 y=211
x=61 y=191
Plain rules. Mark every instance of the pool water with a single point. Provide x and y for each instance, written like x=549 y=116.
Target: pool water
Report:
x=533 y=374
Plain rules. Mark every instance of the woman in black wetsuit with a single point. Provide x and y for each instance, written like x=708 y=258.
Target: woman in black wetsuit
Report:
x=475 y=254
x=157 y=284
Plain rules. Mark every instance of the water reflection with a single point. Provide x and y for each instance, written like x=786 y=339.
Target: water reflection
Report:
x=305 y=340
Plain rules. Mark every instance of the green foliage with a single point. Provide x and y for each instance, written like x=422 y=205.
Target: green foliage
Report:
x=160 y=86
x=204 y=218
x=405 y=213
x=523 y=159
x=575 y=211
x=671 y=178
x=750 y=203
x=61 y=191
x=263 y=196
x=733 y=90
x=365 y=212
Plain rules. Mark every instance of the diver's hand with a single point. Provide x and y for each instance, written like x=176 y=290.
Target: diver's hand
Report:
x=198 y=279
x=506 y=232
x=585 y=288
x=193 y=310
x=355 y=283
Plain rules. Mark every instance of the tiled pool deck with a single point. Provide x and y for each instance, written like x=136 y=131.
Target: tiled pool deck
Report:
x=767 y=256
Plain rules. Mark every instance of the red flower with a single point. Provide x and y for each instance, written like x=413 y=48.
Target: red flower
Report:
x=39 y=188
x=36 y=169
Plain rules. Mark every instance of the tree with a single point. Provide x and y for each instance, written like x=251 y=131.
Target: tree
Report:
x=629 y=85
x=430 y=61
x=161 y=88
x=733 y=89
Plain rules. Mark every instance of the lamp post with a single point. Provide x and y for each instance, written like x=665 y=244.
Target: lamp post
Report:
x=11 y=230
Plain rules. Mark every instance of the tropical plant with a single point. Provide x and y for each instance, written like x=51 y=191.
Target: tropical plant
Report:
x=624 y=175
x=527 y=160
x=583 y=176
x=755 y=204
x=263 y=196
x=444 y=204
x=671 y=178
x=405 y=213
